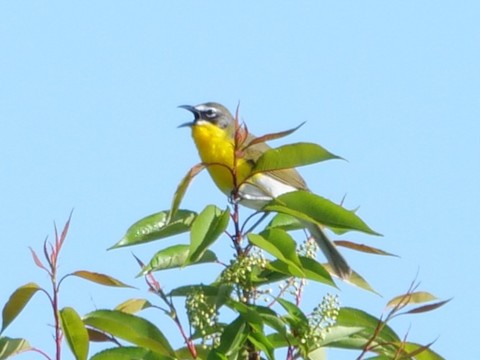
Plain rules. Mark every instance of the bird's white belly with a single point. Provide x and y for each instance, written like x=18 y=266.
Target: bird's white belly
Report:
x=261 y=189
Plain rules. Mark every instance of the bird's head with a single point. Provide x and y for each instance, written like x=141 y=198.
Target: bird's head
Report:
x=210 y=113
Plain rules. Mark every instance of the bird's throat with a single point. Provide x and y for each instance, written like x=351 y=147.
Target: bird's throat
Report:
x=217 y=151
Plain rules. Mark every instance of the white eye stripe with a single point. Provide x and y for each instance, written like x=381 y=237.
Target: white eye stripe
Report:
x=205 y=108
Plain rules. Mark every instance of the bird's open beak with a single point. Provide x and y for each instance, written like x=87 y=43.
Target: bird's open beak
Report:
x=193 y=111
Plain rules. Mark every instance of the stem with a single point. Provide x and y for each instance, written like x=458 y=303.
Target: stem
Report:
x=251 y=228
x=41 y=353
x=58 y=330
x=155 y=287
x=381 y=323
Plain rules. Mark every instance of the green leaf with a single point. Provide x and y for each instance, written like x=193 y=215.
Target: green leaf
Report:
x=295 y=315
x=132 y=306
x=278 y=243
x=232 y=340
x=291 y=156
x=355 y=318
x=421 y=352
x=182 y=189
x=75 y=333
x=355 y=279
x=262 y=343
x=101 y=279
x=285 y=222
x=217 y=295
x=128 y=353
x=281 y=267
x=157 y=226
x=282 y=340
x=271 y=318
x=249 y=314
x=206 y=229
x=340 y=333
x=131 y=328
x=10 y=347
x=175 y=256
x=188 y=289
x=417 y=297
x=307 y=206
x=271 y=274
x=17 y=302
x=184 y=353
x=315 y=271
x=311 y=269
x=317 y=354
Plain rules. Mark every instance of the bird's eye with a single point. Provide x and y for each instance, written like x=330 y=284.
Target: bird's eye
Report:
x=210 y=113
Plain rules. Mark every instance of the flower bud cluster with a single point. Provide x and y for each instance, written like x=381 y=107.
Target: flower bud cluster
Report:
x=320 y=321
x=309 y=248
x=239 y=272
x=203 y=317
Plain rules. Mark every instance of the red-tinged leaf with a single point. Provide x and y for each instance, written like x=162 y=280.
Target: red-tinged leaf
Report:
x=131 y=328
x=273 y=136
x=75 y=333
x=362 y=248
x=46 y=254
x=241 y=135
x=98 y=336
x=101 y=279
x=139 y=262
x=417 y=297
x=132 y=306
x=37 y=260
x=17 y=302
x=182 y=189
x=426 y=308
x=236 y=122
x=65 y=231
x=10 y=347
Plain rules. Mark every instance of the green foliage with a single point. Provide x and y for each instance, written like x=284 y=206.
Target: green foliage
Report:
x=17 y=302
x=228 y=318
x=75 y=333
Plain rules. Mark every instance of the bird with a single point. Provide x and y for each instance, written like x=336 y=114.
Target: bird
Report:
x=213 y=131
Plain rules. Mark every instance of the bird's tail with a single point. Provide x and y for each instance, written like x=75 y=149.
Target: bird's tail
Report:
x=335 y=259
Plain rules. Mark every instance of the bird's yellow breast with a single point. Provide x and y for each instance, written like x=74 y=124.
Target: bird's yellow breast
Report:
x=217 y=151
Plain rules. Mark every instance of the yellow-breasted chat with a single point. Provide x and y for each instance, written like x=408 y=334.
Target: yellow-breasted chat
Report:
x=213 y=131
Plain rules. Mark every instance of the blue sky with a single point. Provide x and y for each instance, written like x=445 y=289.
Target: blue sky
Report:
x=88 y=114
